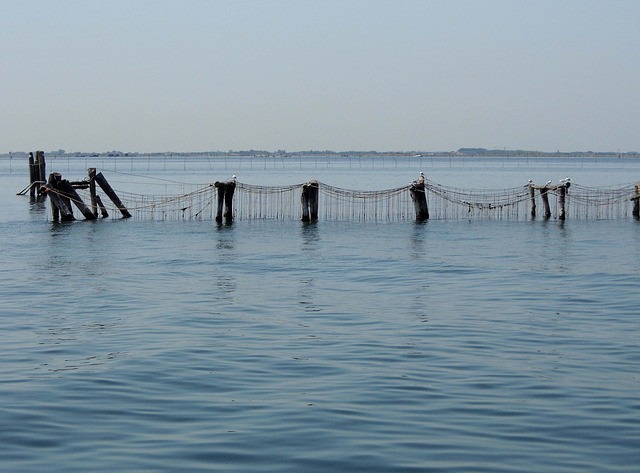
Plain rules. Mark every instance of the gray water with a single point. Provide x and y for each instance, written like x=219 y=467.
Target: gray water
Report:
x=271 y=345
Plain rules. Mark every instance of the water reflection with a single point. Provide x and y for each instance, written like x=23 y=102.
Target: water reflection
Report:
x=310 y=235
x=225 y=280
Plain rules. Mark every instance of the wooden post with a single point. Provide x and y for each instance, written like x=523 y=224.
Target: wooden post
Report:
x=103 y=210
x=419 y=197
x=313 y=200
x=532 y=193
x=102 y=182
x=562 y=192
x=309 y=200
x=545 y=201
x=221 y=186
x=42 y=169
x=65 y=187
x=92 y=190
x=228 y=200
x=304 y=200
x=636 y=202
x=60 y=208
x=32 y=176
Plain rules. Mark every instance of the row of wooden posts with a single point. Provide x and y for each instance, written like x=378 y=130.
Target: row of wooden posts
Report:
x=62 y=193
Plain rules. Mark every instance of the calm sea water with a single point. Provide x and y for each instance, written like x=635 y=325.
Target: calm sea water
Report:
x=271 y=345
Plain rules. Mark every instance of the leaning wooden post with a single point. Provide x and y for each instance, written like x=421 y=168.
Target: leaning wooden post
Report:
x=60 y=208
x=419 y=197
x=92 y=190
x=545 y=201
x=65 y=187
x=228 y=200
x=102 y=182
x=562 y=192
x=636 y=202
x=221 y=186
x=103 y=210
x=532 y=194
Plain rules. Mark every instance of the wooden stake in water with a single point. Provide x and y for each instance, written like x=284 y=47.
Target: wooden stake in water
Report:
x=636 y=202
x=60 y=208
x=419 y=197
x=562 y=192
x=545 y=202
x=225 y=200
x=309 y=201
x=532 y=194
x=102 y=182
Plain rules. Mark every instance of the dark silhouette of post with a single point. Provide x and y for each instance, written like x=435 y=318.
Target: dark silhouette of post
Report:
x=225 y=200
x=309 y=200
x=419 y=198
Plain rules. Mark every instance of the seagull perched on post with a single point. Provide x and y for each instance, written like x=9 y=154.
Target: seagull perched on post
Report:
x=421 y=178
x=548 y=183
x=564 y=181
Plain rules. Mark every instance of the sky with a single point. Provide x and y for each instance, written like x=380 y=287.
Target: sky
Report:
x=401 y=75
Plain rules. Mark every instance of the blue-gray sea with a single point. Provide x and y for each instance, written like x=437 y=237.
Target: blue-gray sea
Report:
x=279 y=346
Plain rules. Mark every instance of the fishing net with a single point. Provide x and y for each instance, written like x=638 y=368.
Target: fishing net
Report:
x=444 y=202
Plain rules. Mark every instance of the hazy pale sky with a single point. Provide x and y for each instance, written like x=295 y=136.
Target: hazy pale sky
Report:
x=153 y=75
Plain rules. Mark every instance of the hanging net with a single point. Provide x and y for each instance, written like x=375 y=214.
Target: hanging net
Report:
x=334 y=203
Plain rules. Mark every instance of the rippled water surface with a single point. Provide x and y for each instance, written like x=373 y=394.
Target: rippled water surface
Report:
x=274 y=345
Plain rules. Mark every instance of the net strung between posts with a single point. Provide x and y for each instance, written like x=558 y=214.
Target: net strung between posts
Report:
x=444 y=202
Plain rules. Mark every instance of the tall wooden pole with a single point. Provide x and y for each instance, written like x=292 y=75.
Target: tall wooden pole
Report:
x=92 y=190
x=32 y=176
x=532 y=194
x=636 y=202
x=221 y=186
x=42 y=169
x=562 y=192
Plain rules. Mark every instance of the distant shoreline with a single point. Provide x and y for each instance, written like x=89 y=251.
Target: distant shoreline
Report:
x=462 y=152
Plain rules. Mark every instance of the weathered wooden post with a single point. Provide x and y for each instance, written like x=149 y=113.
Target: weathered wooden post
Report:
x=102 y=182
x=65 y=187
x=562 y=192
x=228 y=200
x=419 y=198
x=304 y=200
x=636 y=202
x=42 y=169
x=225 y=200
x=221 y=186
x=545 y=201
x=103 y=210
x=32 y=176
x=313 y=200
x=309 y=201
x=532 y=194
x=60 y=208
x=92 y=190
